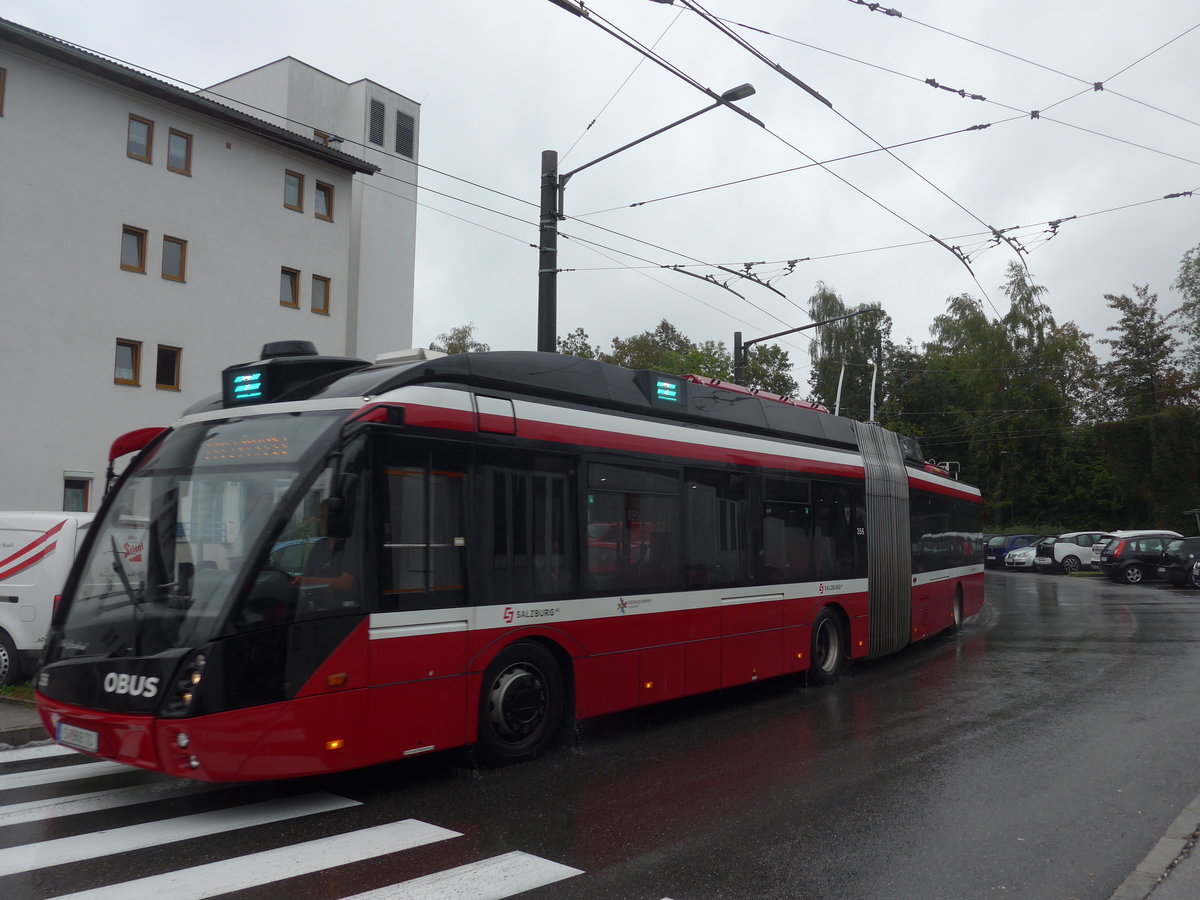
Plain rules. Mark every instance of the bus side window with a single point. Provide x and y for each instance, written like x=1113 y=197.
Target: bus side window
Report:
x=633 y=540
x=530 y=512
x=423 y=537
x=786 y=531
x=715 y=517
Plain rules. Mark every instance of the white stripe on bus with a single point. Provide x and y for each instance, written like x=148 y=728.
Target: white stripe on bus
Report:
x=267 y=866
x=489 y=879
x=29 y=857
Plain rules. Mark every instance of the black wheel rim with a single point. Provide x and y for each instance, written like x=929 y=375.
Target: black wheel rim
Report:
x=518 y=702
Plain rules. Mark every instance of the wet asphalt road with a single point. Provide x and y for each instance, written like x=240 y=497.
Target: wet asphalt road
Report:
x=1040 y=753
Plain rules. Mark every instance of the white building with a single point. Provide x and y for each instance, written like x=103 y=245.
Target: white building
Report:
x=151 y=236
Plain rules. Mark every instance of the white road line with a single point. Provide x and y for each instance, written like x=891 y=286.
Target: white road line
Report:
x=62 y=773
x=28 y=857
x=54 y=807
x=7 y=756
x=243 y=872
x=489 y=879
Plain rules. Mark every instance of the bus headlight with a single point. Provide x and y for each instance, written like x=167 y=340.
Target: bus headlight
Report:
x=187 y=684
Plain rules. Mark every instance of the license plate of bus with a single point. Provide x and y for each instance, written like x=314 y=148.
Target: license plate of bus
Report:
x=82 y=738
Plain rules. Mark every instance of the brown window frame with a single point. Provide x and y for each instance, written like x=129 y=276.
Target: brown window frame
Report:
x=295 y=280
x=85 y=484
x=327 y=190
x=299 y=207
x=326 y=284
x=149 y=157
x=167 y=385
x=187 y=164
x=136 y=347
x=182 y=276
x=143 y=236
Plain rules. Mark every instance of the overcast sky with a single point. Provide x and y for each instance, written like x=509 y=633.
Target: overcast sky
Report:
x=501 y=81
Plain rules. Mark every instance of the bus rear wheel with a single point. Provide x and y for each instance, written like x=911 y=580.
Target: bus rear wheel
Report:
x=827 y=651
x=521 y=704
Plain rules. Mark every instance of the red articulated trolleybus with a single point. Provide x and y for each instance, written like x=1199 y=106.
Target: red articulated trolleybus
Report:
x=334 y=564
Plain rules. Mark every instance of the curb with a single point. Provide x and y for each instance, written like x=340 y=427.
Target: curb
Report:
x=21 y=734
x=1159 y=862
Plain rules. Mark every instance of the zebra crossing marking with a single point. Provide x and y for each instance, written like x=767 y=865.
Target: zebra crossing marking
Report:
x=42 y=752
x=28 y=857
x=489 y=879
x=114 y=798
x=62 y=773
x=243 y=872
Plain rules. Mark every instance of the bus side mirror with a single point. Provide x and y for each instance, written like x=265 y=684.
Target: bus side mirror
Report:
x=339 y=508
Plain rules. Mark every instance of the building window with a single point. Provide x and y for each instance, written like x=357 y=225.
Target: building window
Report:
x=179 y=152
x=166 y=370
x=133 y=249
x=293 y=190
x=406 y=129
x=129 y=363
x=322 y=136
x=3 y=73
x=174 y=259
x=289 y=287
x=375 y=134
x=140 y=139
x=320 y=294
x=76 y=490
x=324 y=208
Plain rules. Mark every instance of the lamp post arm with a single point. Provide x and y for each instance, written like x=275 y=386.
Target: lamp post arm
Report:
x=566 y=176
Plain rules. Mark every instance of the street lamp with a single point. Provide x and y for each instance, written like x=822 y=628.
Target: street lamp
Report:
x=553 y=186
x=739 y=346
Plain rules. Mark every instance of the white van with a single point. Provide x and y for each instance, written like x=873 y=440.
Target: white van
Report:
x=36 y=552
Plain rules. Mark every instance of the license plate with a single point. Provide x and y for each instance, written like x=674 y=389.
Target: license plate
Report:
x=82 y=738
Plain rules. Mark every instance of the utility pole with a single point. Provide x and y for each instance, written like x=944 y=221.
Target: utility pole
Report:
x=547 y=322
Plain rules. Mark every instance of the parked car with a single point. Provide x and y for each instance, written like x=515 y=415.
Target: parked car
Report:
x=999 y=546
x=1070 y=552
x=1132 y=556
x=1178 y=564
x=1023 y=557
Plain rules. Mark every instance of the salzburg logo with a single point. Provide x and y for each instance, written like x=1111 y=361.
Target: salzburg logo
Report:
x=820 y=588
x=508 y=614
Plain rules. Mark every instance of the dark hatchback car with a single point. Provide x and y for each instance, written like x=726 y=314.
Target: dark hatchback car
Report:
x=998 y=547
x=1177 y=564
x=1135 y=558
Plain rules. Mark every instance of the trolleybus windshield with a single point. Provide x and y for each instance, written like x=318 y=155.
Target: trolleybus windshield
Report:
x=179 y=532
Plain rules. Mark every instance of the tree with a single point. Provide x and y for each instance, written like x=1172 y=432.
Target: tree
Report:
x=1188 y=284
x=459 y=340
x=843 y=353
x=1142 y=376
x=577 y=343
x=667 y=349
x=650 y=349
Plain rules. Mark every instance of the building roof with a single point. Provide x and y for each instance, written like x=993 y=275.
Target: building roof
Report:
x=130 y=78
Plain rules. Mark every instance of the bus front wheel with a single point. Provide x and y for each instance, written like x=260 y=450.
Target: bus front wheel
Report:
x=521 y=704
x=828 y=649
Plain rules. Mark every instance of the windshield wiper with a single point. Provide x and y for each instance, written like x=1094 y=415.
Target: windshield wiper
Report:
x=119 y=568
